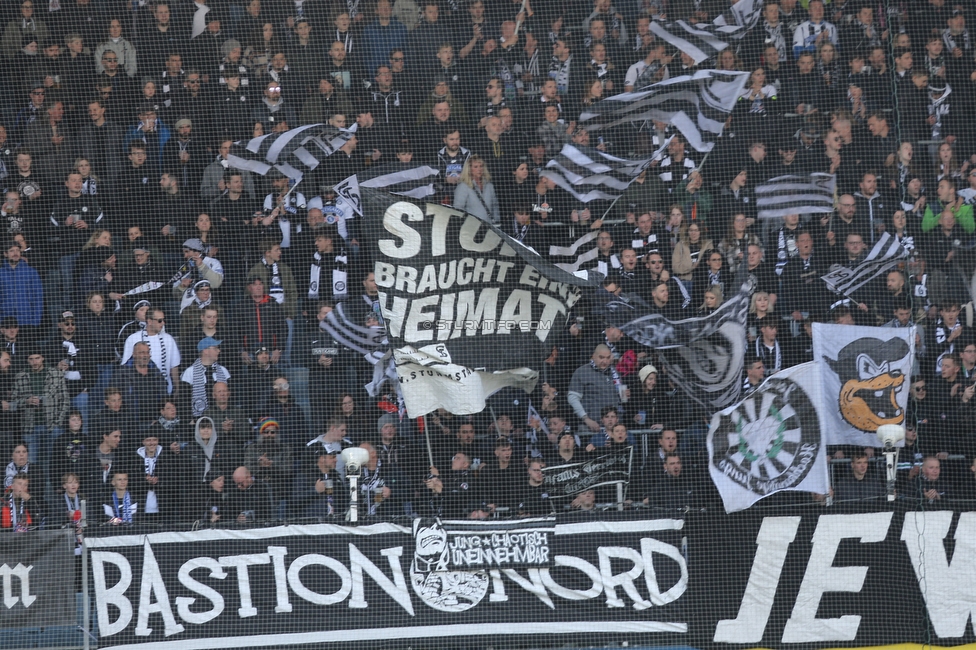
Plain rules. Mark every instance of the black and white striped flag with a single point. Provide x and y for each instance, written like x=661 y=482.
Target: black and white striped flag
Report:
x=697 y=41
x=592 y=175
x=580 y=253
x=293 y=153
x=885 y=255
x=697 y=105
x=416 y=182
x=704 y=41
x=347 y=324
x=783 y=195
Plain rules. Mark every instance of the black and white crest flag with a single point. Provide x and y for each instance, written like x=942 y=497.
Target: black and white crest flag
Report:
x=783 y=195
x=770 y=441
x=697 y=105
x=416 y=182
x=591 y=175
x=468 y=310
x=294 y=153
x=702 y=356
x=885 y=255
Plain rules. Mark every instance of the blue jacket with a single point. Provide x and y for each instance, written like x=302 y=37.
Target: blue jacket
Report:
x=154 y=157
x=380 y=41
x=21 y=294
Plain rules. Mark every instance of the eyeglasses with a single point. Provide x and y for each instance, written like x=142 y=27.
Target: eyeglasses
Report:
x=192 y=81
x=38 y=92
x=158 y=320
x=397 y=58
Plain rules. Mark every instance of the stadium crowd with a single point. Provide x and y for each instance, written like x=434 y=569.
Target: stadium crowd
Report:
x=157 y=305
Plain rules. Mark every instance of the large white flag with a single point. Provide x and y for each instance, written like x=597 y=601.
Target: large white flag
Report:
x=865 y=374
x=770 y=441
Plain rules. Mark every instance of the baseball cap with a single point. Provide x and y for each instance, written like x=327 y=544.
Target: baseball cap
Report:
x=208 y=342
x=65 y=315
x=194 y=244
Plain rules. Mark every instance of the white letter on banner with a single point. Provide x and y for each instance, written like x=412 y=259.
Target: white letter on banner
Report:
x=114 y=596
x=241 y=562
x=625 y=579
x=187 y=580
x=581 y=565
x=395 y=589
x=774 y=539
x=534 y=585
x=949 y=589
x=820 y=577
x=517 y=309
x=278 y=554
x=469 y=229
x=438 y=229
x=550 y=311
x=152 y=584
x=393 y=222
x=22 y=573
x=498 y=594
x=648 y=548
x=303 y=592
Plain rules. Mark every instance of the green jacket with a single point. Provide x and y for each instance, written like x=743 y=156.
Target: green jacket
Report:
x=53 y=411
x=964 y=217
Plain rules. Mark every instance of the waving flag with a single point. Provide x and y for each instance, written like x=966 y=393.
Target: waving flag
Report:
x=703 y=356
x=771 y=441
x=699 y=42
x=293 y=153
x=885 y=255
x=697 y=105
x=783 y=195
x=738 y=19
x=591 y=175
x=417 y=182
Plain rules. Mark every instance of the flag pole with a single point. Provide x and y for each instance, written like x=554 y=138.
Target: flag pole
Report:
x=430 y=451
x=518 y=24
x=697 y=169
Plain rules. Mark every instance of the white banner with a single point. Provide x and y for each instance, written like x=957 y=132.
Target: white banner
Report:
x=429 y=381
x=770 y=441
x=865 y=373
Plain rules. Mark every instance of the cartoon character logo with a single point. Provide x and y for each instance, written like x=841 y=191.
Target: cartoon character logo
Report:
x=432 y=578
x=869 y=385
